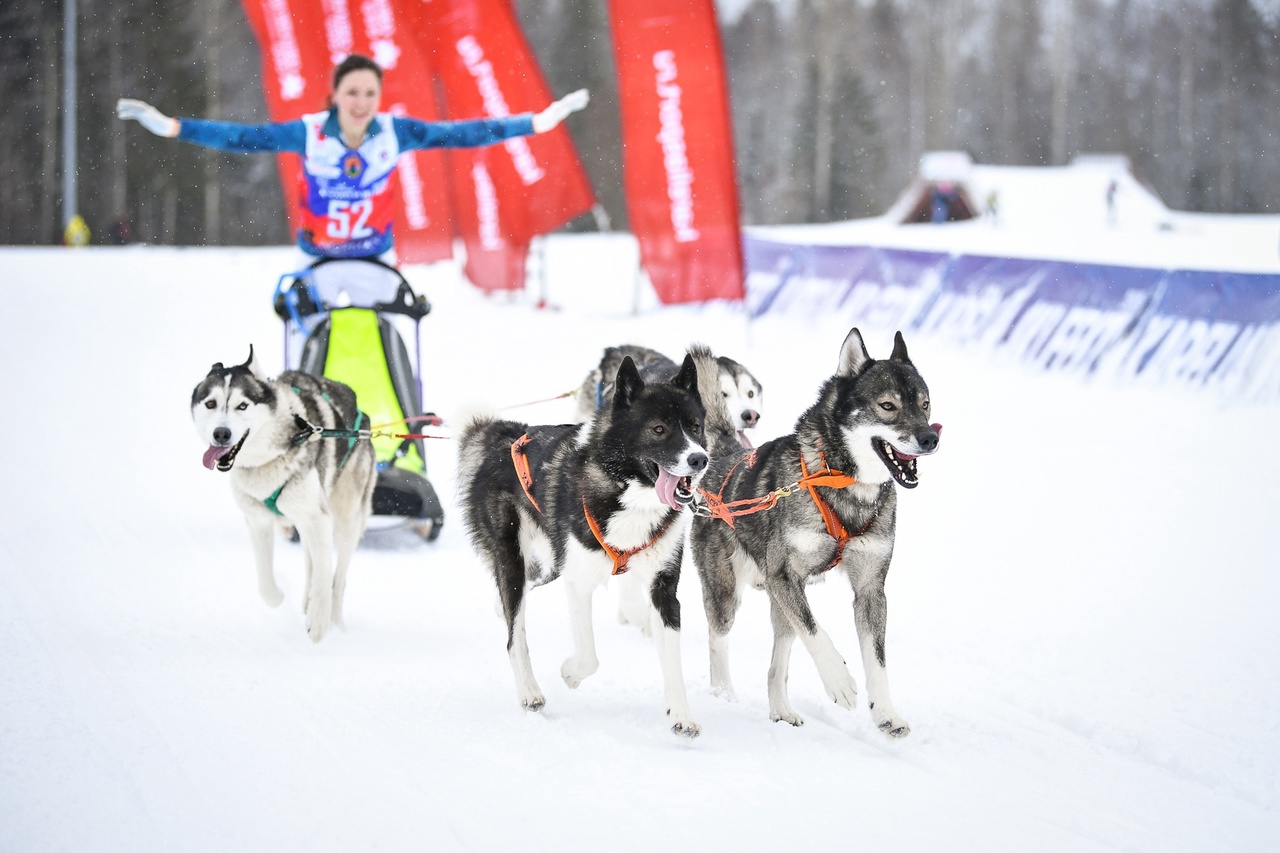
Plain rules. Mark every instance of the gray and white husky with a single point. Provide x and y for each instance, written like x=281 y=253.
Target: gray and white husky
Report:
x=265 y=433
x=741 y=391
x=586 y=501
x=850 y=452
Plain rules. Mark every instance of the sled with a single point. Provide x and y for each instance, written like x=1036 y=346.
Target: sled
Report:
x=344 y=319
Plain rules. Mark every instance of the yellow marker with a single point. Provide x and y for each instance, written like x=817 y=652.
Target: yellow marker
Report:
x=77 y=233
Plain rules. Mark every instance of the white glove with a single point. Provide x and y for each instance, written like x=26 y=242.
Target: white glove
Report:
x=559 y=110
x=147 y=116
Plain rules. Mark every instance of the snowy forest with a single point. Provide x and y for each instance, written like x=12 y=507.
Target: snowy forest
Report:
x=833 y=102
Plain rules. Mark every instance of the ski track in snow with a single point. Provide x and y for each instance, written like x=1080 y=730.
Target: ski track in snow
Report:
x=1081 y=631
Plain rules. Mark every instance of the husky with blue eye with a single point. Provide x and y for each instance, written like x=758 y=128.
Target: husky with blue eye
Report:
x=584 y=502
x=297 y=449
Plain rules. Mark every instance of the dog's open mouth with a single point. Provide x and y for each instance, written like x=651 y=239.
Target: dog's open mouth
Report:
x=900 y=465
x=744 y=441
x=221 y=456
x=903 y=465
x=676 y=492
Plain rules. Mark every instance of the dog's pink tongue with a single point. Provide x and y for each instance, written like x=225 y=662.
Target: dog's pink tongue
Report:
x=937 y=428
x=666 y=487
x=213 y=454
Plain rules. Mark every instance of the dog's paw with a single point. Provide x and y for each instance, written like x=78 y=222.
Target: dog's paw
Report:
x=575 y=671
x=683 y=726
x=271 y=595
x=892 y=725
x=788 y=716
x=319 y=618
x=724 y=691
x=843 y=690
x=640 y=622
x=317 y=628
x=532 y=701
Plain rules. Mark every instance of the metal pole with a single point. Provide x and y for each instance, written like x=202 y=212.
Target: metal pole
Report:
x=69 y=201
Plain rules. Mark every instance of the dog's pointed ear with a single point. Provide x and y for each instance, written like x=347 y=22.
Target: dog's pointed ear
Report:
x=687 y=378
x=626 y=385
x=899 y=349
x=217 y=367
x=853 y=354
x=253 y=366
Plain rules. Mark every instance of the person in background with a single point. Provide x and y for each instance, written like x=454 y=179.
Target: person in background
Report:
x=349 y=153
x=943 y=196
x=121 y=232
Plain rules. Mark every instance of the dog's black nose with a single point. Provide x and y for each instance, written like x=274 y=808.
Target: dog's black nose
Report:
x=222 y=435
x=749 y=417
x=697 y=461
x=928 y=440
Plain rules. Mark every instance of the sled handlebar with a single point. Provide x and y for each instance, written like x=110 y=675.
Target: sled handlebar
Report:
x=299 y=299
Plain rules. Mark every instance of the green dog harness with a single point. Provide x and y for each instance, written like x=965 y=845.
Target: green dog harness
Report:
x=351 y=435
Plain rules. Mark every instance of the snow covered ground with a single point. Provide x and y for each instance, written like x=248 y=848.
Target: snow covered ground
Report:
x=1082 y=630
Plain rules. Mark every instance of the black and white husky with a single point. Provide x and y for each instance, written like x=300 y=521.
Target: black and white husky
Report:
x=266 y=433
x=585 y=501
x=851 y=450
x=740 y=390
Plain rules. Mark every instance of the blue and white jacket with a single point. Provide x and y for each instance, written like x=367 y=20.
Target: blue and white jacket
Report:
x=346 y=204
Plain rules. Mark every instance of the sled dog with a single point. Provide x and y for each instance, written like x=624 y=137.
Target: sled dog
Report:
x=720 y=430
x=266 y=433
x=849 y=453
x=585 y=501
x=742 y=392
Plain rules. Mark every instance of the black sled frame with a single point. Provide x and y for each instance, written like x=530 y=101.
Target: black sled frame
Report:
x=344 y=318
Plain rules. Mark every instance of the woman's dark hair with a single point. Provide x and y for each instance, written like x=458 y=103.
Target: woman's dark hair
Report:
x=354 y=62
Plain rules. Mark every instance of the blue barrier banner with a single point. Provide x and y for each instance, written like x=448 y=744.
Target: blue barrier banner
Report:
x=1153 y=326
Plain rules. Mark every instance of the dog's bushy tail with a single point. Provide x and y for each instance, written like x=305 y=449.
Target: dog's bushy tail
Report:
x=470 y=438
x=719 y=426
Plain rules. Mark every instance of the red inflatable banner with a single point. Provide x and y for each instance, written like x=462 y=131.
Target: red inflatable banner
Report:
x=682 y=194
x=505 y=194
x=295 y=75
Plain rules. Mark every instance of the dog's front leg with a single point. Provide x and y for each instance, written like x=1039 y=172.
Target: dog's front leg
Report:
x=580 y=583
x=667 y=635
x=261 y=530
x=349 y=524
x=788 y=592
x=308 y=508
x=870 y=614
x=721 y=598
x=784 y=636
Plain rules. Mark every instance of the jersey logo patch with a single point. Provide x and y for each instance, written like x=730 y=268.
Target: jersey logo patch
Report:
x=353 y=165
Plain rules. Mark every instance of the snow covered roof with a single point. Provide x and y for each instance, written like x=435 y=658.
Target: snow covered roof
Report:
x=1058 y=213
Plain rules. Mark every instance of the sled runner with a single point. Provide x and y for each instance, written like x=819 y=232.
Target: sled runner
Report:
x=340 y=321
